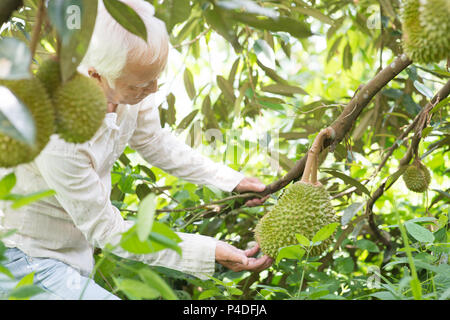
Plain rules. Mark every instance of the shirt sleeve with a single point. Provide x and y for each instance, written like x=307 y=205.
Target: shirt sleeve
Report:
x=162 y=149
x=81 y=193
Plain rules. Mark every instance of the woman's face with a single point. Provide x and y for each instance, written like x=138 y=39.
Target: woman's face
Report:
x=135 y=83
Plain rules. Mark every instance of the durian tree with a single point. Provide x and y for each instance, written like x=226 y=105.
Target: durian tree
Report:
x=341 y=107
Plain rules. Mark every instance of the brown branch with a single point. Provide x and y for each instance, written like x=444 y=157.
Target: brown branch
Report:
x=310 y=172
x=188 y=43
x=328 y=257
x=419 y=123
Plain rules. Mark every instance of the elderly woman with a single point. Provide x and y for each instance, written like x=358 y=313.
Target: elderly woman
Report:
x=55 y=237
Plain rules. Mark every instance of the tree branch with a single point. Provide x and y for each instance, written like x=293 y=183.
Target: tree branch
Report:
x=344 y=123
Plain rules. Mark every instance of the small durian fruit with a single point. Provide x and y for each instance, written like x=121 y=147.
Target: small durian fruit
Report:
x=417 y=177
x=304 y=208
x=80 y=107
x=426 y=30
x=33 y=95
x=49 y=73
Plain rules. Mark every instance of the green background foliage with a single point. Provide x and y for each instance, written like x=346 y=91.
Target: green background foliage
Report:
x=263 y=78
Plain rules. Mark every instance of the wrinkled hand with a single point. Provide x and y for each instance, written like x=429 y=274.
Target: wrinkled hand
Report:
x=251 y=184
x=239 y=260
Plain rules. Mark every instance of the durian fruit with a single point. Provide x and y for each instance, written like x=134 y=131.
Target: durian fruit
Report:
x=417 y=177
x=49 y=73
x=80 y=107
x=34 y=96
x=304 y=208
x=426 y=29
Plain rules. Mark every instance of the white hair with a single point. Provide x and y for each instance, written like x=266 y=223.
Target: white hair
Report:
x=111 y=44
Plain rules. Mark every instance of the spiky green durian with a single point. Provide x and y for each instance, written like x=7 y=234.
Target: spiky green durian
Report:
x=426 y=29
x=417 y=177
x=33 y=95
x=49 y=73
x=80 y=107
x=303 y=208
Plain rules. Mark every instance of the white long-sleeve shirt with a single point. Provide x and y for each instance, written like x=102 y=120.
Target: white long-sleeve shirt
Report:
x=80 y=216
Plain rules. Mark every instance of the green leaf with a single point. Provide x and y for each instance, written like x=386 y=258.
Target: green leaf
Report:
x=15 y=59
x=234 y=291
x=350 y=212
x=6 y=271
x=171 y=111
x=264 y=53
x=25 y=288
x=157 y=283
x=160 y=242
x=325 y=232
x=284 y=89
x=344 y=265
x=189 y=83
x=294 y=27
x=161 y=237
x=426 y=131
x=126 y=17
x=214 y=17
x=136 y=289
x=394 y=177
x=176 y=11
x=131 y=243
x=226 y=89
x=145 y=216
x=384 y=295
x=209 y=293
x=7 y=7
x=348 y=180
x=272 y=74
x=188 y=28
x=334 y=48
x=438 y=106
x=24 y=292
x=419 y=233
x=290 y=252
x=247 y=6
x=347 y=57
x=311 y=12
x=416 y=288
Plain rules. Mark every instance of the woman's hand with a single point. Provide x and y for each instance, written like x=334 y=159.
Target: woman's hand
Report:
x=239 y=260
x=251 y=184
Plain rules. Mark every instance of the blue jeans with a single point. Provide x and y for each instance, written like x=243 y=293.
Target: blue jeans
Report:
x=58 y=280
